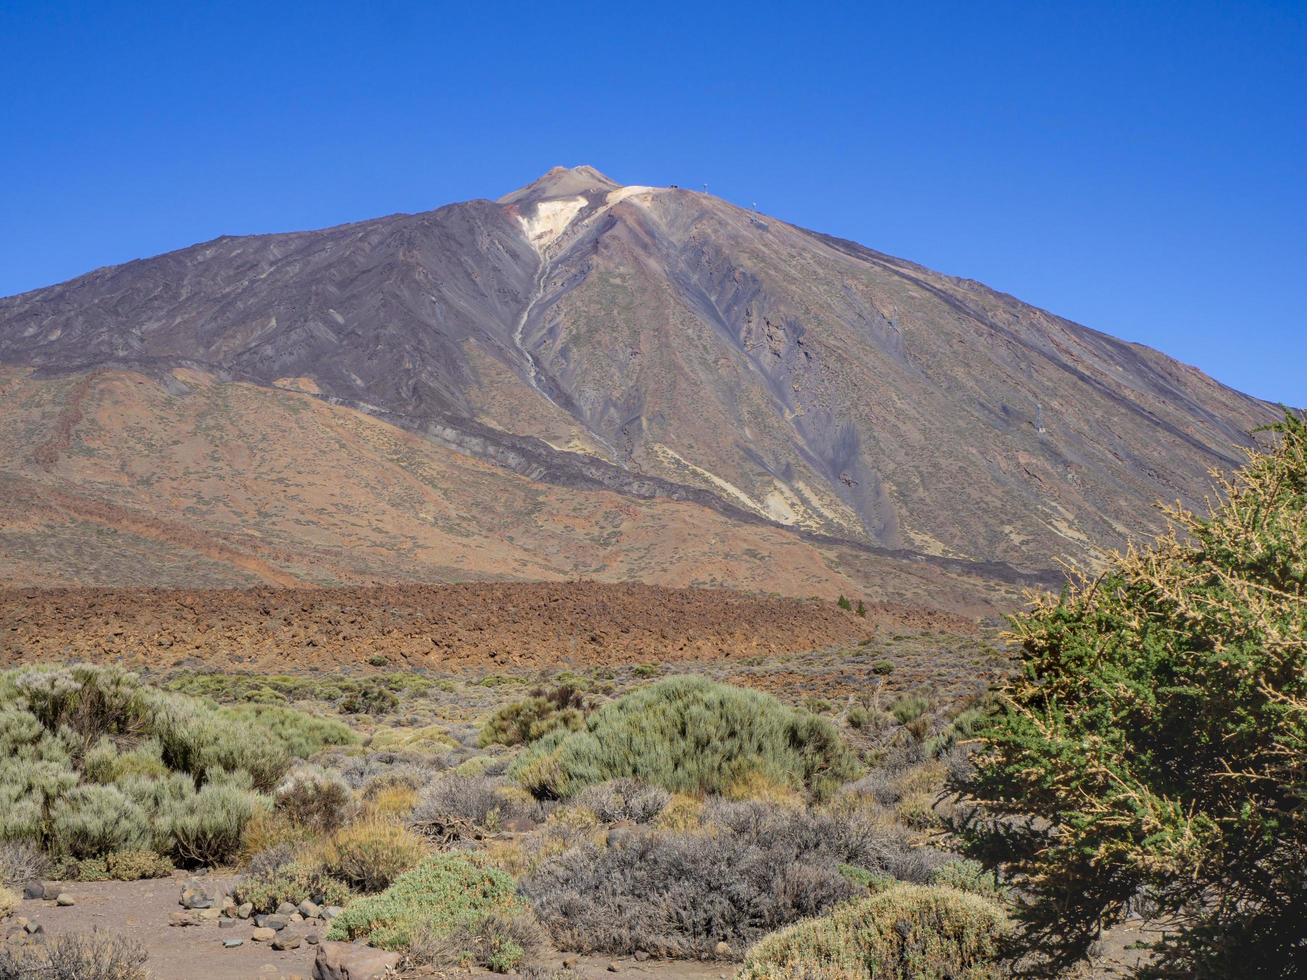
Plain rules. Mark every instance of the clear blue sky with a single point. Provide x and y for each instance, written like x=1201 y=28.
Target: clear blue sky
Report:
x=1138 y=167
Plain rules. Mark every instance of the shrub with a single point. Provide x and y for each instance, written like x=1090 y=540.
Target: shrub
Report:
x=206 y=828
x=689 y=734
x=499 y=941
x=372 y=853
x=909 y=708
x=624 y=799
x=22 y=861
x=907 y=932
x=458 y=807
x=1157 y=733
x=747 y=869
x=296 y=733
x=9 y=900
x=315 y=799
x=75 y=956
x=266 y=889
x=844 y=603
x=967 y=875
x=562 y=708
x=882 y=667
x=123 y=866
x=91 y=820
x=441 y=894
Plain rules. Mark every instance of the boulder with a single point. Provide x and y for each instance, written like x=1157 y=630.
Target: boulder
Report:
x=48 y=890
x=244 y=911
x=308 y=908
x=262 y=935
x=352 y=961
x=284 y=941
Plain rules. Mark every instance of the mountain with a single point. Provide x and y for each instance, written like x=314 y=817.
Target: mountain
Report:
x=503 y=379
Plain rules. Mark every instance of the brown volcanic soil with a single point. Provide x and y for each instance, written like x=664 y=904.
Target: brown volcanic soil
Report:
x=440 y=627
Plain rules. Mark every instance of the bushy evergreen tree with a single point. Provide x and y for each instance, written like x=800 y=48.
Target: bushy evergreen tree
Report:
x=1152 y=753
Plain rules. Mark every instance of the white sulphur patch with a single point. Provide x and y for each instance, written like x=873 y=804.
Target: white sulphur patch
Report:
x=550 y=219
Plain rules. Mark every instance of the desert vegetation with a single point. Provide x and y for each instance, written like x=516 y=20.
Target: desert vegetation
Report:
x=786 y=816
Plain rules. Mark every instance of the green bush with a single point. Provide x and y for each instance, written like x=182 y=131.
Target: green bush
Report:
x=1157 y=733
x=561 y=709
x=967 y=875
x=907 y=932
x=690 y=735
x=123 y=866
x=90 y=820
x=94 y=761
x=909 y=708
x=296 y=734
x=293 y=883
x=206 y=826
x=440 y=895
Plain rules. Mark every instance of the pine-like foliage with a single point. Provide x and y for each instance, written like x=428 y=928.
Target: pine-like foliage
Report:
x=1152 y=754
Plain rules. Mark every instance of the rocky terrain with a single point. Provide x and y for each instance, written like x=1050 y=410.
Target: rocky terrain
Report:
x=458 y=627
x=581 y=378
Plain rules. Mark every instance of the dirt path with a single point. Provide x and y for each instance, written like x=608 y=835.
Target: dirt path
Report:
x=140 y=911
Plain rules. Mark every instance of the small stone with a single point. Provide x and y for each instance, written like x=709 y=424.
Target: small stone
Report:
x=244 y=911
x=34 y=929
x=641 y=955
x=207 y=915
x=284 y=942
x=262 y=935
x=232 y=943
x=312 y=938
x=285 y=908
x=258 y=919
x=275 y=922
x=614 y=968
x=330 y=912
x=722 y=950
x=228 y=923
x=308 y=908
x=183 y=919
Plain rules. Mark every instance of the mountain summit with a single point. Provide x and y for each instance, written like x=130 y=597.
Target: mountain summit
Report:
x=651 y=343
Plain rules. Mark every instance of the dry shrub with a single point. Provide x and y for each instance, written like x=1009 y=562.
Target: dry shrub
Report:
x=22 y=861
x=371 y=854
x=293 y=883
x=624 y=799
x=267 y=830
x=9 y=900
x=744 y=870
x=75 y=956
x=501 y=942
x=393 y=802
x=456 y=807
x=907 y=932
x=316 y=799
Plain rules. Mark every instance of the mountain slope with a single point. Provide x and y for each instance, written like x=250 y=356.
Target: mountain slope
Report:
x=659 y=343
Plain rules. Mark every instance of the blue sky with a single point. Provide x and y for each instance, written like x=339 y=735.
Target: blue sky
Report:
x=1140 y=168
